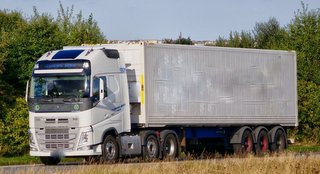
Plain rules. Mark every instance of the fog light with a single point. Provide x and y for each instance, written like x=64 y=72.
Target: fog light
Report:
x=84 y=148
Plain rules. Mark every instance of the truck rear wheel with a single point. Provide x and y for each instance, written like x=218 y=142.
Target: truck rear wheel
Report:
x=151 y=148
x=110 y=149
x=50 y=160
x=262 y=145
x=246 y=145
x=170 y=146
x=279 y=141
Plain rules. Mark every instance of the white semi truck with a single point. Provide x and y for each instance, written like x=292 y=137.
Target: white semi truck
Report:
x=116 y=101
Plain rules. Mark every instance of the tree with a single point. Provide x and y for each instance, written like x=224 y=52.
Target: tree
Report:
x=269 y=35
x=304 y=37
x=76 y=29
x=180 y=40
x=8 y=22
x=14 y=130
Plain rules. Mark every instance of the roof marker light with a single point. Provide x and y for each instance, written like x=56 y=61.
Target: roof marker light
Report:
x=85 y=65
x=36 y=66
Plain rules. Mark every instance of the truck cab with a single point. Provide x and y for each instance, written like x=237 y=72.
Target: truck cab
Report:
x=75 y=97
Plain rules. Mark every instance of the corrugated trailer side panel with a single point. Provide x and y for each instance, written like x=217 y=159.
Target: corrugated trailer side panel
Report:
x=189 y=85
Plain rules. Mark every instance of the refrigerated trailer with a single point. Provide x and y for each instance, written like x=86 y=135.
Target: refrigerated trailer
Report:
x=122 y=100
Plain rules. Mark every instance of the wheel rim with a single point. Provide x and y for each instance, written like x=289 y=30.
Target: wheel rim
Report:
x=248 y=144
x=280 y=141
x=152 y=147
x=169 y=147
x=264 y=144
x=110 y=150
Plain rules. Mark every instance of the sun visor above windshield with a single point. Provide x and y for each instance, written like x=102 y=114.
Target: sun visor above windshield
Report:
x=67 y=54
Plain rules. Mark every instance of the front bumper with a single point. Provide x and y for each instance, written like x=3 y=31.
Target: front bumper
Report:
x=63 y=153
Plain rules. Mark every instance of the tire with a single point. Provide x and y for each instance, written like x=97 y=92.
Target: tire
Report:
x=279 y=141
x=151 y=148
x=50 y=160
x=262 y=145
x=110 y=149
x=246 y=145
x=170 y=147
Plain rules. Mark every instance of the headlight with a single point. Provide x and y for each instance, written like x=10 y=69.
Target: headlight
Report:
x=85 y=137
x=32 y=142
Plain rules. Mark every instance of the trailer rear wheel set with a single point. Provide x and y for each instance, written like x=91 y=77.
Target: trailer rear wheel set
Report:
x=260 y=140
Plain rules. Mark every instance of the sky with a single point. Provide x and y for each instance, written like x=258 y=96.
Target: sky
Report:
x=159 y=19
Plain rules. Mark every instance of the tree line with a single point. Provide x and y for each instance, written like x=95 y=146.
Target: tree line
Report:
x=23 y=40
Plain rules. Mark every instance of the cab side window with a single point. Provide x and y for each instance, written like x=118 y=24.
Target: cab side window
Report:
x=113 y=89
x=95 y=89
x=104 y=78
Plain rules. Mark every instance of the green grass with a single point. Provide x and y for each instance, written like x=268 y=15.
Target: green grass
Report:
x=26 y=159
x=303 y=148
x=19 y=160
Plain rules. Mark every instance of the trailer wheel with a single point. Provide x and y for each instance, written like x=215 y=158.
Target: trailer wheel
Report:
x=151 y=148
x=50 y=160
x=170 y=147
x=262 y=145
x=279 y=141
x=110 y=149
x=246 y=145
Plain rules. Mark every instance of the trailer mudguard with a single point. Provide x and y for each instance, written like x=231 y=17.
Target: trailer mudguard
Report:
x=273 y=131
x=236 y=137
x=256 y=133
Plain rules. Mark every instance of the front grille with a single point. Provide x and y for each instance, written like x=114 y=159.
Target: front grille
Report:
x=52 y=146
x=57 y=132
x=50 y=121
x=57 y=137
x=63 y=121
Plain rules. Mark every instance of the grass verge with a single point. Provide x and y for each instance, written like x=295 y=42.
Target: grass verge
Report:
x=293 y=148
x=26 y=159
x=303 y=148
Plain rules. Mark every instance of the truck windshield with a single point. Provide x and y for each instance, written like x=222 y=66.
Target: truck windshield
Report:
x=60 y=87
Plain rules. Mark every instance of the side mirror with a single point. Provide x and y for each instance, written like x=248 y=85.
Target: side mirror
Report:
x=27 y=91
x=101 y=89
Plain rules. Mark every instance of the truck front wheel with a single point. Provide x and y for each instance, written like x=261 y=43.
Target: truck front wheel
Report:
x=110 y=149
x=50 y=160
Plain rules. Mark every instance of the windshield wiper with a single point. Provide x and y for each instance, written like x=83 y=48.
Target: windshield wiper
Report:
x=47 y=98
x=71 y=98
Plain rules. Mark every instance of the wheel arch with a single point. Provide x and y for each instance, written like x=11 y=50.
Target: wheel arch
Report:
x=110 y=131
x=273 y=131
x=236 y=137
x=144 y=134
x=257 y=131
